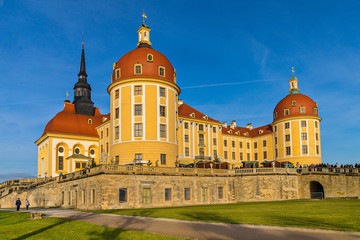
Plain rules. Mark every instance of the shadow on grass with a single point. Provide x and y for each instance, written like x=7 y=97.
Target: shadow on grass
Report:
x=207 y=217
x=28 y=235
x=106 y=234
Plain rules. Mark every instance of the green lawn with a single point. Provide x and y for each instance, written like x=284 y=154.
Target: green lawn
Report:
x=14 y=225
x=325 y=214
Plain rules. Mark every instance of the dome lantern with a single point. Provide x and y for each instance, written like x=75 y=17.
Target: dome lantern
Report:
x=293 y=83
x=144 y=34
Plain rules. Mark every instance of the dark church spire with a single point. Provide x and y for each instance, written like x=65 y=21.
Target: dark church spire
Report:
x=82 y=90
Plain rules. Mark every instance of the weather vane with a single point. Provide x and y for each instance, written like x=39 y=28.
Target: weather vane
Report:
x=144 y=16
x=67 y=95
x=293 y=71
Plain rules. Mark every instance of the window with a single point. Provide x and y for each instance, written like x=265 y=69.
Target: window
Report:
x=220 y=192
x=316 y=136
x=146 y=195
x=138 y=69
x=288 y=150
x=248 y=145
x=92 y=151
x=138 y=156
x=186 y=151
x=214 y=141
x=317 y=149
x=275 y=128
x=276 y=153
x=303 y=136
x=117 y=73
x=214 y=129
x=248 y=156
x=162 y=130
x=89 y=121
x=316 y=124
x=204 y=194
x=167 y=194
x=225 y=155
x=116 y=132
x=102 y=148
x=287 y=125
x=293 y=103
x=265 y=155
x=241 y=156
x=255 y=144
x=101 y=135
x=107 y=132
x=286 y=112
x=162 y=92
x=161 y=71
x=201 y=127
x=92 y=195
x=225 y=143
x=116 y=113
x=61 y=149
x=304 y=149
x=303 y=123
x=62 y=198
x=240 y=144
x=162 y=111
x=315 y=110
x=138 y=110
x=187 y=193
x=201 y=138
x=233 y=144
x=83 y=165
x=61 y=163
x=302 y=110
x=117 y=160
x=215 y=153
x=117 y=94
x=77 y=150
x=186 y=138
x=275 y=115
x=123 y=195
x=138 y=129
x=163 y=159
x=83 y=196
x=275 y=140
x=150 y=57
x=77 y=165
x=138 y=90
x=186 y=125
x=264 y=143
x=255 y=156
x=233 y=156
x=287 y=138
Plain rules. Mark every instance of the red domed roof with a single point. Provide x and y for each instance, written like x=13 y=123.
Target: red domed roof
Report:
x=149 y=68
x=293 y=103
x=68 y=122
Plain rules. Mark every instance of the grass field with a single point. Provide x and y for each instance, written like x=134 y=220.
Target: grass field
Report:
x=324 y=214
x=14 y=225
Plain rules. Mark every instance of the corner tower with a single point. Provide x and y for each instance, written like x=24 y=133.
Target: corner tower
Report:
x=82 y=90
x=296 y=128
x=143 y=98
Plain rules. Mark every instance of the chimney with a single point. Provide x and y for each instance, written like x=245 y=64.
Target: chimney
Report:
x=224 y=124
x=233 y=124
x=180 y=101
x=249 y=126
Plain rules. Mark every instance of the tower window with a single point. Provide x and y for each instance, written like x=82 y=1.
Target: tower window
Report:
x=150 y=57
x=161 y=71
x=214 y=141
x=162 y=92
x=288 y=150
x=117 y=72
x=316 y=136
x=162 y=130
x=317 y=149
x=316 y=124
x=138 y=90
x=186 y=138
x=138 y=156
x=303 y=123
x=138 y=110
x=186 y=151
x=117 y=94
x=293 y=103
x=116 y=113
x=265 y=155
x=137 y=69
x=287 y=125
x=287 y=137
x=302 y=110
x=304 y=149
x=303 y=136
x=163 y=159
x=286 y=112
x=162 y=111
x=138 y=129
x=116 y=133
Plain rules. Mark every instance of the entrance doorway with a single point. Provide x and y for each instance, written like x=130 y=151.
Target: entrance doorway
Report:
x=316 y=190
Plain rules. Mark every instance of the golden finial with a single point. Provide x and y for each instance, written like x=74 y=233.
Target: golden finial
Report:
x=67 y=95
x=83 y=39
x=293 y=71
x=144 y=16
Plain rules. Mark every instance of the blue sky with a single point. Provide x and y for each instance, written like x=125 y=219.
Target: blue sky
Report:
x=251 y=45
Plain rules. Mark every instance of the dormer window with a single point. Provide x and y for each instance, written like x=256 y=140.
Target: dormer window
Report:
x=161 y=71
x=90 y=121
x=150 y=58
x=286 y=112
x=117 y=73
x=206 y=117
x=137 y=69
x=261 y=131
x=315 y=110
x=302 y=110
x=275 y=115
x=293 y=103
x=192 y=115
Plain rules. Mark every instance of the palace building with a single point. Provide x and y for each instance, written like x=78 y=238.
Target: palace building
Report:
x=149 y=124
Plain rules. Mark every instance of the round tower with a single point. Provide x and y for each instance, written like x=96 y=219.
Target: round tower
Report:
x=296 y=128
x=143 y=106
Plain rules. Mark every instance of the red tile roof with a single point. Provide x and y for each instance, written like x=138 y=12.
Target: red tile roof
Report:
x=68 y=122
x=245 y=132
x=185 y=111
